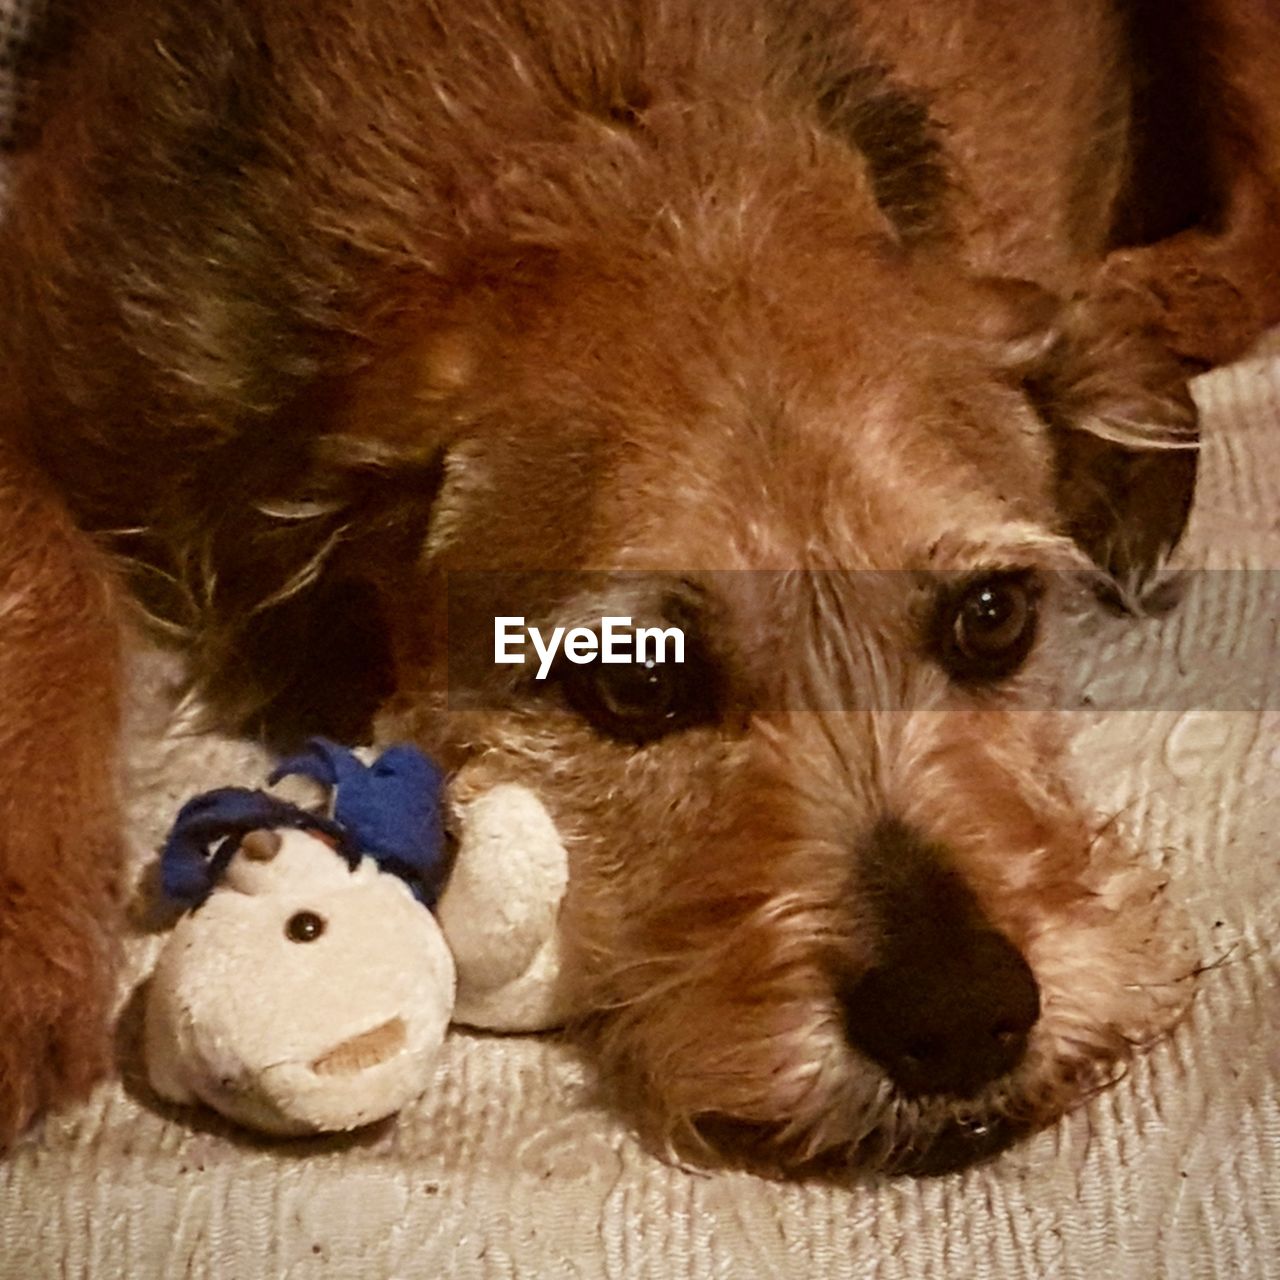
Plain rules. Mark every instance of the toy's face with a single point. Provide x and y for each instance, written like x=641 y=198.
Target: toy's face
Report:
x=301 y=996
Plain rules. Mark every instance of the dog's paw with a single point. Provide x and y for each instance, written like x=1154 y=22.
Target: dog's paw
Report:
x=55 y=1001
x=1202 y=314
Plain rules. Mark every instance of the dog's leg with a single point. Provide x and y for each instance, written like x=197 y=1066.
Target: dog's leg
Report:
x=1195 y=283
x=1212 y=287
x=60 y=838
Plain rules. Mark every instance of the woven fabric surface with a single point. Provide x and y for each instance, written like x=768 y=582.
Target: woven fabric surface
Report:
x=509 y=1166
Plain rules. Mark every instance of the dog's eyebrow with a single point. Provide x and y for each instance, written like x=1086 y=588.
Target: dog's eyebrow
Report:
x=674 y=598
x=1012 y=545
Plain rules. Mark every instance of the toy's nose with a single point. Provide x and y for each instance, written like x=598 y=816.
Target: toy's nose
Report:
x=261 y=845
x=367 y=1049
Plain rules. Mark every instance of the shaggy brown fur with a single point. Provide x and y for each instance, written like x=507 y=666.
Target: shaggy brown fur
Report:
x=59 y=824
x=308 y=307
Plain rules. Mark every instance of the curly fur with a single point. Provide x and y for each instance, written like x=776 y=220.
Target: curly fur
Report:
x=306 y=309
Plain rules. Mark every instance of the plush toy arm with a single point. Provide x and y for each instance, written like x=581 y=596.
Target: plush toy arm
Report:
x=500 y=909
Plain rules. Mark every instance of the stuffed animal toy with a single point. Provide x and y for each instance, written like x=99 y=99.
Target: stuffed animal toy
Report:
x=309 y=984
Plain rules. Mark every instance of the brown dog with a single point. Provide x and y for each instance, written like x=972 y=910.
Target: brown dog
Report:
x=830 y=331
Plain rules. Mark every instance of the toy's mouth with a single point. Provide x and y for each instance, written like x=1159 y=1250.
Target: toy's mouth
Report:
x=368 y=1049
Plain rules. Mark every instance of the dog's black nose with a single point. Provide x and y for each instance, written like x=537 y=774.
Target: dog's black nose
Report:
x=945 y=1021
x=948 y=1002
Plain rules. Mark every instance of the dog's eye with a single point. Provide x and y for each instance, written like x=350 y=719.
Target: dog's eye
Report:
x=642 y=701
x=304 y=926
x=987 y=629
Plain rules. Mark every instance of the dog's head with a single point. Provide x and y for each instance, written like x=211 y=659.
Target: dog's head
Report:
x=829 y=890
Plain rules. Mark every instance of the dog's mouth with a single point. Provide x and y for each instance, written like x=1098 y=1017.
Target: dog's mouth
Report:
x=957 y=1143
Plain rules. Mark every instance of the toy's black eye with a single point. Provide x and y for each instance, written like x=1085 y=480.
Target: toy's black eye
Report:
x=304 y=926
x=640 y=702
x=986 y=630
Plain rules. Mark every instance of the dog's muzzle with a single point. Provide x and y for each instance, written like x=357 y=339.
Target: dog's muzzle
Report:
x=949 y=1003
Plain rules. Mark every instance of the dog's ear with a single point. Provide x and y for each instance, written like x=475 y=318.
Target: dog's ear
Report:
x=283 y=580
x=1121 y=424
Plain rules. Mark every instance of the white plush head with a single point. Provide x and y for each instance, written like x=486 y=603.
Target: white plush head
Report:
x=301 y=996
